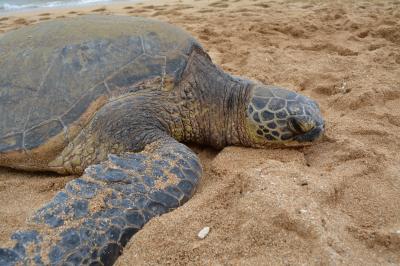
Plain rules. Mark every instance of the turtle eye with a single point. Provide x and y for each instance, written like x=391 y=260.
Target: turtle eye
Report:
x=300 y=126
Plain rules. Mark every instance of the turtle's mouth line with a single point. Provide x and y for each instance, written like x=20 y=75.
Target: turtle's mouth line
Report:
x=304 y=140
x=283 y=145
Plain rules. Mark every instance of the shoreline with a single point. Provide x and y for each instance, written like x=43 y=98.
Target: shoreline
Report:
x=111 y=6
x=147 y=8
x=34 y=10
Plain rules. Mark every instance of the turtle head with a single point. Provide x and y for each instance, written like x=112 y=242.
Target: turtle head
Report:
x=279 y=116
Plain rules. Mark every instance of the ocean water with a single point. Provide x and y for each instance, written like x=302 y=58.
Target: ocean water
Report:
x=14 y=5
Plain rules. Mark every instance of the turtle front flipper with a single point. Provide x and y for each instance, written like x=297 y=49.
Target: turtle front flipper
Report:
x=94 y=216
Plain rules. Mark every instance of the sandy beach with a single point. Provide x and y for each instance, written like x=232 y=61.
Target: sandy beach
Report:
x=333 y=203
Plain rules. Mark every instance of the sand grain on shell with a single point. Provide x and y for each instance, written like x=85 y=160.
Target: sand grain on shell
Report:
x=333 y=203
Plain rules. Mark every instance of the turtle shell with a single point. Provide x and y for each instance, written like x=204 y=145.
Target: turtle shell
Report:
x=55 y=75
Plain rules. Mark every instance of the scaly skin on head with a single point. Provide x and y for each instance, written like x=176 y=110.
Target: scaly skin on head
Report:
x=281 y=117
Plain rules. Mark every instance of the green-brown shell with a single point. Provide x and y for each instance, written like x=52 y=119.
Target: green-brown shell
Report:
x=52 y=72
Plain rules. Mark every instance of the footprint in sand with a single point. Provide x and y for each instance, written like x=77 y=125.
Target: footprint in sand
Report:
x=263 y=5
x=44 y=15
x=183 y=7
x=4 y=19
x=102 y=9
x=72 y=12
x=205 y=10
x=207 y=33
x=220 y=4
x=307 y=6
x=363 y=34
x=389 y=33
x=128 y=7
x=149 y=7
x=166 y=13
x=136 y=11
x=21 y=21
x=375 y=46
x=44 y=18
x=243 y=10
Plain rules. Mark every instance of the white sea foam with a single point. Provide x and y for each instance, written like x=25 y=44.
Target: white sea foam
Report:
x=11 y=5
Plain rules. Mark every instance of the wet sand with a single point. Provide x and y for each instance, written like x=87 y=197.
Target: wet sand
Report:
x=336 y=202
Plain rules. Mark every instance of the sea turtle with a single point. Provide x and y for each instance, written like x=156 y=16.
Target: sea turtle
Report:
x=110 y=98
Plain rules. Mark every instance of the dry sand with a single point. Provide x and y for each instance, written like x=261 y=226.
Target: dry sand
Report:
x=336 y=202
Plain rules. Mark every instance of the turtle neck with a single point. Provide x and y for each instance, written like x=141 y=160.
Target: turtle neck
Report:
x=212 y=104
